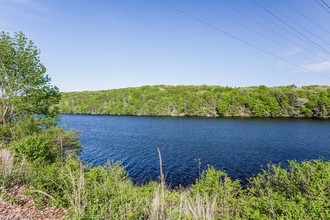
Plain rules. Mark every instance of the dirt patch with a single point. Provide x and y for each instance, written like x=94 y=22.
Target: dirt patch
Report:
x=24 y=207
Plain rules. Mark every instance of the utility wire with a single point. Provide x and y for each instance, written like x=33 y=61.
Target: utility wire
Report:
x=237 y=38
x=302 y=14
x=290 y=26
x=279 y=26
x=302 y=27
x=325 y=8
x=326 y=4
x=260 y=34
x=270 y=29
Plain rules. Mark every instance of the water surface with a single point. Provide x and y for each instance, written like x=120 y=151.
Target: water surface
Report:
x=241 y=147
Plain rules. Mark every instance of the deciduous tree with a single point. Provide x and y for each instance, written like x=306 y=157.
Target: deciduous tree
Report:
x=25 y=89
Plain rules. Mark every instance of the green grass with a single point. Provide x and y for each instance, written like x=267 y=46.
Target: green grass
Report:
x=105 y=192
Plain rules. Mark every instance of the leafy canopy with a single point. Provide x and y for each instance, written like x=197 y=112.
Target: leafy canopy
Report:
x=25 y=89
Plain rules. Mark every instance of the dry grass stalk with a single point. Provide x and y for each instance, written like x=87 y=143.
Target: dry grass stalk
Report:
x=161 y=177
x=200 y=207
x=76 y=190
x=158 y=201
x=6 y=161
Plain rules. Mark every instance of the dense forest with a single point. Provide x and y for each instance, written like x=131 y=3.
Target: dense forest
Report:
x=209 y=101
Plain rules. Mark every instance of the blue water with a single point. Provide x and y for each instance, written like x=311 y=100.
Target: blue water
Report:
x=241 y=147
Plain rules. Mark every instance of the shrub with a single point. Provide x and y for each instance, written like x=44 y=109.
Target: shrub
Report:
x=302 y=192
x=216 y=187
x=36 y=149
x=47 y=146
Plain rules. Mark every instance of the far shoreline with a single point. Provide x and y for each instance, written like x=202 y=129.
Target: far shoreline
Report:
x=199 y=117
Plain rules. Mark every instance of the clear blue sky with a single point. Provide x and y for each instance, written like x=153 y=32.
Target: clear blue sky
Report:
x=94 y=45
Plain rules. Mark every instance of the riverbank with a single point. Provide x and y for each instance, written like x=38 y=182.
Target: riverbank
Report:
x=204 y=101
x=106 y=192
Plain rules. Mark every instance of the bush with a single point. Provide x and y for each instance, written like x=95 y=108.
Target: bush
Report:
x=302 y=192
x=4 y=135
x=47 y=146
x=36 y=149
x=46 y=184
x=215 y=186
x=103 y=193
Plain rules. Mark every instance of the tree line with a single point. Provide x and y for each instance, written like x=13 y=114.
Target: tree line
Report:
x=207 y=101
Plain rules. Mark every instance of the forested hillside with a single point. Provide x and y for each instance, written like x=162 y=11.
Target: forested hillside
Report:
x=212 y=101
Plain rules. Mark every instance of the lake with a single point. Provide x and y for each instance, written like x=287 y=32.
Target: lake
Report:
x=241 y=147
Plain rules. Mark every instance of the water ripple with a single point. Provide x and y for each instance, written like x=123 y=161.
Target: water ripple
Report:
x=241 y=147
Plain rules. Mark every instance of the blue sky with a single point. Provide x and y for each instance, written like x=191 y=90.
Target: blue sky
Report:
x=96 y=45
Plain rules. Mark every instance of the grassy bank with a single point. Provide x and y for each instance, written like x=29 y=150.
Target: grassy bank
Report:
x=106 y=192
x=210 y=101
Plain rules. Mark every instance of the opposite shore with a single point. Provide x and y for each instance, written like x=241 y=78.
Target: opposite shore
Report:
x=202 y=101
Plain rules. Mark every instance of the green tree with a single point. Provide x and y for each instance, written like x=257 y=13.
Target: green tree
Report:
x=25 y=89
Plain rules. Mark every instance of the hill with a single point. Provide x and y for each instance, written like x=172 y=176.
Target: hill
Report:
x=209 y=101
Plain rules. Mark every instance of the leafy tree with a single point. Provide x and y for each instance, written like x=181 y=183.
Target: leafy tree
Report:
x=312 y=101
x=25 y=90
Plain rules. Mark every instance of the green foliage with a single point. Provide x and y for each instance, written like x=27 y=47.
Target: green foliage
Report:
x=105 y=192
x=226 y=194
x=47 y=178
x=302 y=192
x=210 y=101
x=115 y=194
x=12 y=174
x=36 y=154
x=35 y=148
x=47 y=146
x=4 y=134
x=25 y=87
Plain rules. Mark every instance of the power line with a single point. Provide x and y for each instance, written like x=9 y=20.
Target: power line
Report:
x=302 y=27
x=302 y=14
x=325 y=8
x=296 y=23
x=270 y=29
x=326 y=4
x=282 y=28
x=254 y=31
x=237 y=38
x=290 y=26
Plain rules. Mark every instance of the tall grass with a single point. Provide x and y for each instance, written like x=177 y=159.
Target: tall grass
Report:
x=11 y=173
x=105 y=192
x=6 y=161
x=73 y=177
